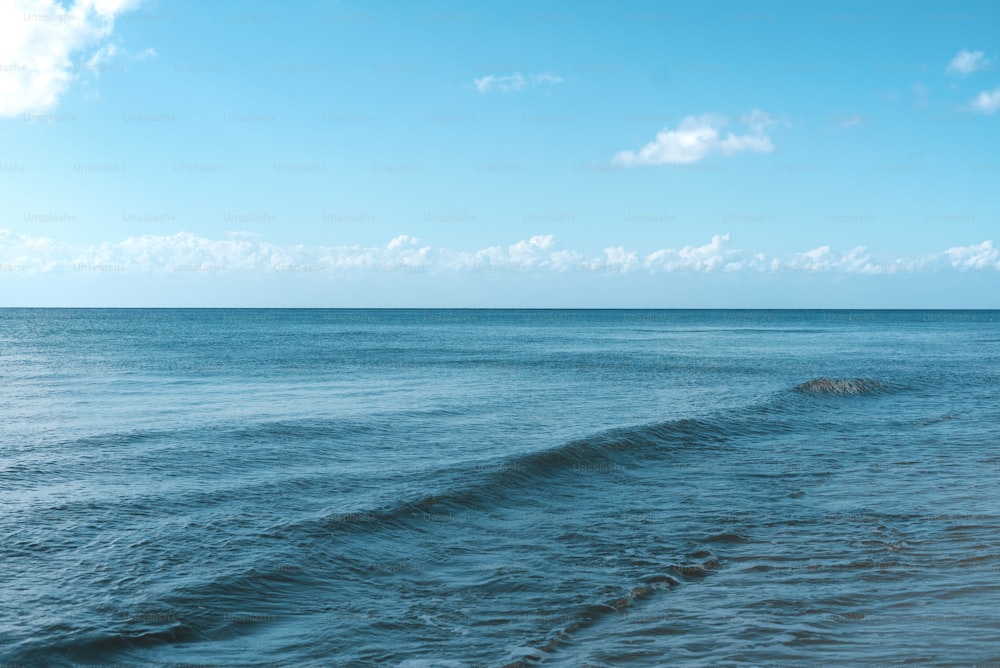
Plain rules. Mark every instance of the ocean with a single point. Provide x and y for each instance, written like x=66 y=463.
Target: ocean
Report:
x=499 y=488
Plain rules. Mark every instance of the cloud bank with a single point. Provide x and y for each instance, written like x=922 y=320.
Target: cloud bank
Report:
x=245 y=253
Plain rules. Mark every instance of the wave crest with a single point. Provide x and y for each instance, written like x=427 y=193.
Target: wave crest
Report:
x=841 y=386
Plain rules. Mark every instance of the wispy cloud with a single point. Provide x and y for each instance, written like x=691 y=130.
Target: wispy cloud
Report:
x=43 y=43
x=102 y=58
x=966 y=62
x=851 y=121
x=986 y=102
x=245 y=253
x=512 y=83
x=697 y=137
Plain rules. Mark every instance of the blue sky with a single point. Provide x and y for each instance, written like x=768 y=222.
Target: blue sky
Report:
x=634 y=154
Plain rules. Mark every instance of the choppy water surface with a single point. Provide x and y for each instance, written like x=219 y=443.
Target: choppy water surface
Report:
x=460 y=488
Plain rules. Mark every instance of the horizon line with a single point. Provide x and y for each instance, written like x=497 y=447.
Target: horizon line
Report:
x=476 y=308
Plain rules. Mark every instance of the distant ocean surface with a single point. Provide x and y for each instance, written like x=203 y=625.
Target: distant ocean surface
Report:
x=425 y=488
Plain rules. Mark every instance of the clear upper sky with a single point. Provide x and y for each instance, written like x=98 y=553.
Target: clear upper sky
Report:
x=564 y=154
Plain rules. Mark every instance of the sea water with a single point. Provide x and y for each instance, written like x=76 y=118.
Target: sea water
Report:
x=499 y=487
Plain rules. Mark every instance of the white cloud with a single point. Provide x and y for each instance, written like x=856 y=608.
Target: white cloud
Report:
x=39 y=40
x=813 y=260
x=532 y=253
x=244 y=253
x=986 y=102
x=511 y=83
x=148 y=52
x=402 y=241
x=527 y=253
x=697 y=137
x=979 y=256
x=714 y=256
x=546 y=78
x=184 y=251
x=566 y=260
x=966 y=62
x=855 y=261
x=616 y=258
x=758 y=120
x=505 y=83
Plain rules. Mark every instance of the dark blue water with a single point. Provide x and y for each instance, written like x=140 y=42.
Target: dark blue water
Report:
x=463 y=488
